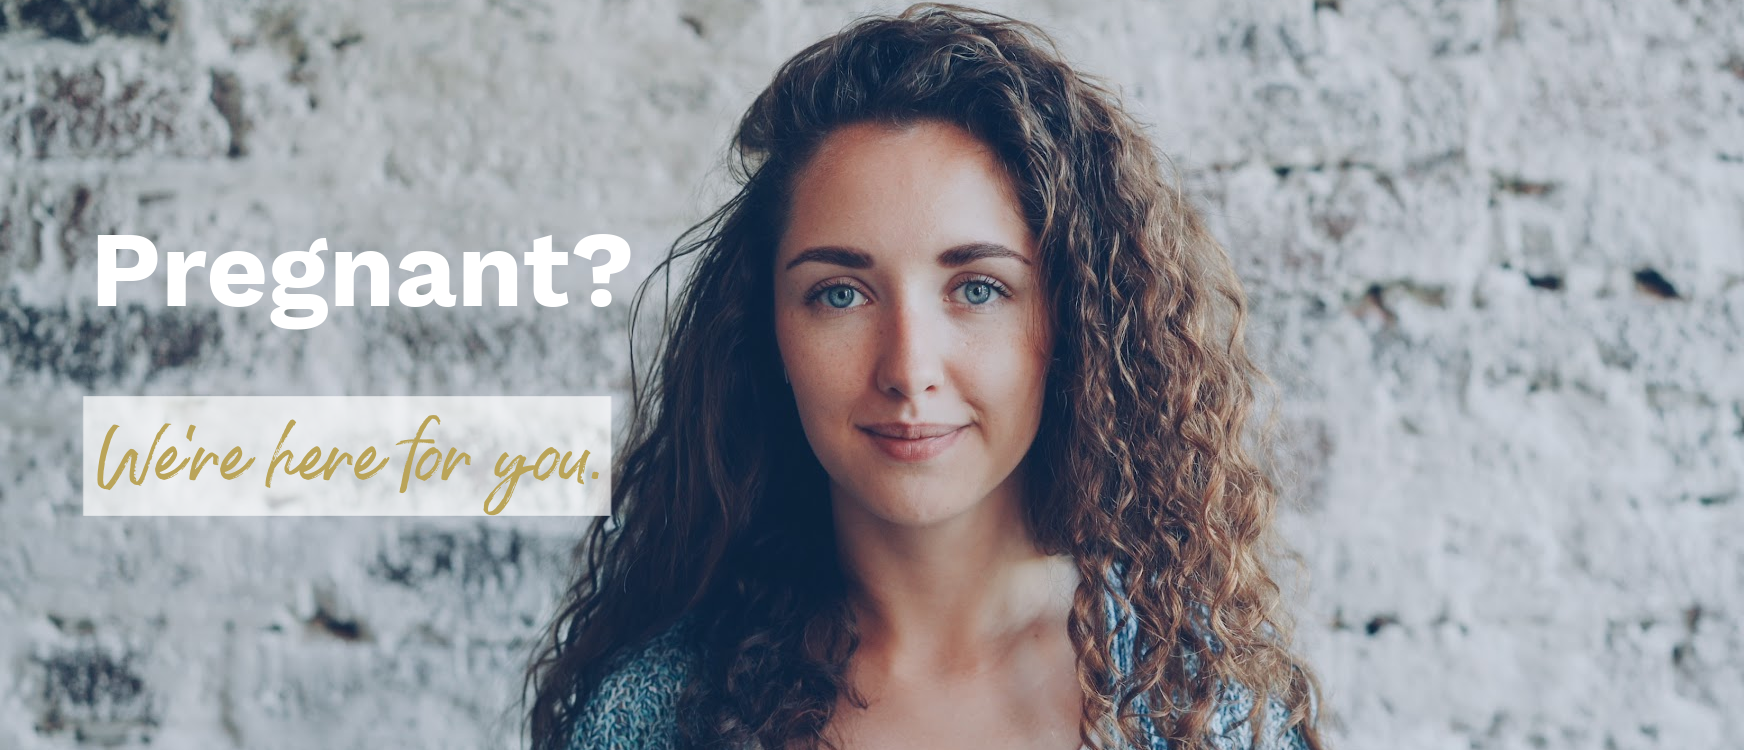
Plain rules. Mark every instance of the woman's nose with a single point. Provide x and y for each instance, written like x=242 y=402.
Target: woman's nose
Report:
x=911 y=349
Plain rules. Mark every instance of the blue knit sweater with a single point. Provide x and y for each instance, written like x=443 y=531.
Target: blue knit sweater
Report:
x=635 y=707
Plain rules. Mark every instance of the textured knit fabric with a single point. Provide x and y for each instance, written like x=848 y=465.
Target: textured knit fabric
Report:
x=636 y=706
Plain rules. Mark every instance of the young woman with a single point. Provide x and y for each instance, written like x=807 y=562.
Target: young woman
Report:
x=944 y=448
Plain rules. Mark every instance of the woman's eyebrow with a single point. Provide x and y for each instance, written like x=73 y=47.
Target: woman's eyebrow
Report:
x=965 y=254
x=836 y=256
x=954 y=257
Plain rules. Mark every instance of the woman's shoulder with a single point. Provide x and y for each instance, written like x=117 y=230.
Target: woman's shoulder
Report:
x=636 y=704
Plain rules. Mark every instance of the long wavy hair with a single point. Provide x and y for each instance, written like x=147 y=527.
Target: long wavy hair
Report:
x=1141 y=465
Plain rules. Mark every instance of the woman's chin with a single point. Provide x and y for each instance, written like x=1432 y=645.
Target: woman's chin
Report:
x=917 y=517
x=916 y=508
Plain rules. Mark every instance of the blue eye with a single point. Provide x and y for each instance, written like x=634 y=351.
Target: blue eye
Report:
x=836 y=296
x=840 y=296
x=980 y=291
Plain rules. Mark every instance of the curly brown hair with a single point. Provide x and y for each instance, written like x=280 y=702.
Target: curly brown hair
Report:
x=1142 y=467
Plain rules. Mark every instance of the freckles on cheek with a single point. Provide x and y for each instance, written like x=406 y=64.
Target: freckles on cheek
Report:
x=804 y=348
x=829 y=366
x=792 y=325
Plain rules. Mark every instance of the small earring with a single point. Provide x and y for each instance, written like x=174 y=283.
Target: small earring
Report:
x=784 y=376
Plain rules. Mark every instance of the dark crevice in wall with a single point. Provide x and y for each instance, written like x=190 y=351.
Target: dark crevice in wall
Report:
x=1653 y=284
x=56 y=18
x=1521 y=186
x=81 y=21
x=91 y=345
x=97 y=694
x=345 y=629
x=1550 y=281
x=227 y=97
x=473 y=559
x=1379 y=622
x=1373 y=626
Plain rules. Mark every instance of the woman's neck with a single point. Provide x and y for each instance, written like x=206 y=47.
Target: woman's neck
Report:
x=955 y=595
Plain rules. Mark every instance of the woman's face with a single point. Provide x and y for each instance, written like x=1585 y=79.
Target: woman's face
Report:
x=910 y=315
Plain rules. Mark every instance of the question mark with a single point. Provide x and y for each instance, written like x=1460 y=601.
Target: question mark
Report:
x=620 y=252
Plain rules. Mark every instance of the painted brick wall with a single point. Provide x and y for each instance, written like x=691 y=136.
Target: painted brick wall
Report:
x=1495 y=249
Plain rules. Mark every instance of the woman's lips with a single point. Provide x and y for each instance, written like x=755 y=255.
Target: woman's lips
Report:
x=918 y=449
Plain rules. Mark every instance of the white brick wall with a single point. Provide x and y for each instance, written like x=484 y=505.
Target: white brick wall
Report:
x=1495 y=248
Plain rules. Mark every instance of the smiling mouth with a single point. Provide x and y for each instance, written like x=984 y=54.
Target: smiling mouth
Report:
x=912 y=443
x=911 y=431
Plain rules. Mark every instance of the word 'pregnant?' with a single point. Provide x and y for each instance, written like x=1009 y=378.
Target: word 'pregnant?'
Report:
x=241 y=268
x=422 y=466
